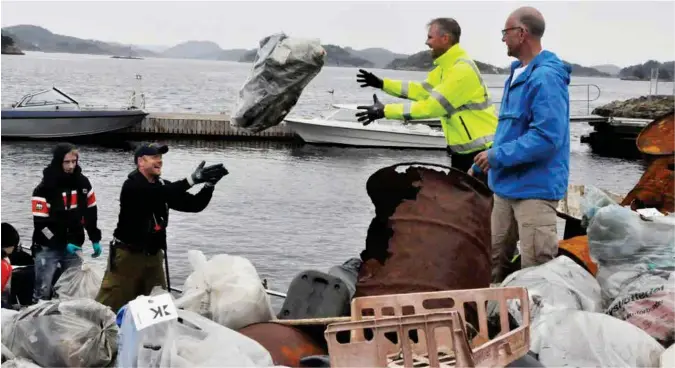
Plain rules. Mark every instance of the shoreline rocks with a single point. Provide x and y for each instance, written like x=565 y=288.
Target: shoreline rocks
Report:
x=645 y=107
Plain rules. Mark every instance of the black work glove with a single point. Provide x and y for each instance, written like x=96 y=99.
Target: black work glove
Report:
x=216 y=178
x=369 y=79
x=372 y=113
x=203 y=174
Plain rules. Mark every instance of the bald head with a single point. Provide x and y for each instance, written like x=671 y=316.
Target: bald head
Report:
x=531 y=19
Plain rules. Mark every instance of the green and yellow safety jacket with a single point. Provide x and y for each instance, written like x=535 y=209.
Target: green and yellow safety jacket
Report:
x=455 y=92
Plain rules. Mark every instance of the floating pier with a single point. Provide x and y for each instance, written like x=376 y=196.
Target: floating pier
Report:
x=615 y=137
x=200 y=126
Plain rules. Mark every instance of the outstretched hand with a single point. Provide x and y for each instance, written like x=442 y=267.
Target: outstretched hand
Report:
x=371 y=113
x=210 y=174
x=367 y=79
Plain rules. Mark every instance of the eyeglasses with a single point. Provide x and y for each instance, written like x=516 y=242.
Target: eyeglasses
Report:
x=504 y=31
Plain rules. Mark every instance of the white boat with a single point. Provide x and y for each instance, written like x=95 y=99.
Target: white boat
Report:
x=341 y=127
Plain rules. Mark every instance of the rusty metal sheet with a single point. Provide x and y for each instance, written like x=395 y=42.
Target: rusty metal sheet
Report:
x=658 y=137
x=286 y=344
x=431 y=231
x=655 y=188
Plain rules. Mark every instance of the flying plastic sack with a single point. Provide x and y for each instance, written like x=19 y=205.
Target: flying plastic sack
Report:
x=557 y=284
x=189 y=341
x=73 y=333
x=572 y=338
x=283 y=67
x=79 y=282
x=225 y=289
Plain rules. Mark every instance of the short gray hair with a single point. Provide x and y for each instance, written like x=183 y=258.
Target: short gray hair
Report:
x=448 y=26
x=534 y=23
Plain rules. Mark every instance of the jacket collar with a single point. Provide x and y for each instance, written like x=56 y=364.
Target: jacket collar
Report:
x=528 y=70
x=449 y=57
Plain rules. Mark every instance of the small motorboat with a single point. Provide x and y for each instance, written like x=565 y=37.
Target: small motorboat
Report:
x=341 y=127
x=53 y=114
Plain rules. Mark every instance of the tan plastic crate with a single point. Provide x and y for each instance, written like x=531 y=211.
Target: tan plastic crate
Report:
x=376 y=352
x=513 y=344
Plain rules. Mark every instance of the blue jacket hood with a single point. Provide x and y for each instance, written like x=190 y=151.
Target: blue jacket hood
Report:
x=547 y=59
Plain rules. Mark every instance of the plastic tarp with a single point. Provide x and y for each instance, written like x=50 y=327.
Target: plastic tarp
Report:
x=573 y=338
x=283 y=67
x=557 y=284
x=189 y=341
x=81 y=282
x=74 y=333
x=225 y=289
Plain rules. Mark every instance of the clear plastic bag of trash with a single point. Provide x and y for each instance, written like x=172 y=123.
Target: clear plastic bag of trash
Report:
x=283 y=67
x=225 y=289
x=571 y=338
x=593 y=200
x=557 y=284
x=79 y=282
x=619 y=236
x=73 y=333
x=190 y=341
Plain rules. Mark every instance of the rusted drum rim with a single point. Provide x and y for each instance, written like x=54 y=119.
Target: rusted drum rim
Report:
x=658 y=137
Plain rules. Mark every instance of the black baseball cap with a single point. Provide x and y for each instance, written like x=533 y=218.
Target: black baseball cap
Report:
x=150 y=149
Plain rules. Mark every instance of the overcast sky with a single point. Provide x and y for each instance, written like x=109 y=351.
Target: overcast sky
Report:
x=585 y=32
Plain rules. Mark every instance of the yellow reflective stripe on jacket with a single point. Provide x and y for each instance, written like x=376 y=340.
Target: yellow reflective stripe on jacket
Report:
x=407 y=89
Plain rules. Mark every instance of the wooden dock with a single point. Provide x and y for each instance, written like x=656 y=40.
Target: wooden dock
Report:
x=201 y=126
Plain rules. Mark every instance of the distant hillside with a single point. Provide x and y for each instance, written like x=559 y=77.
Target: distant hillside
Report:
x=335 y=56
x=233 y=54
x=34 y=38
x=378 y=56
x=610 y=69
x=584 y=71
x=422 y=61
x=194 y=50
x=9 y=46
x=643 y=71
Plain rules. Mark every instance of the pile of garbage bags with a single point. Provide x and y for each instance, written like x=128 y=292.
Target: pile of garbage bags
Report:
x=283 y=67
x=624 y=316
x=71 y=333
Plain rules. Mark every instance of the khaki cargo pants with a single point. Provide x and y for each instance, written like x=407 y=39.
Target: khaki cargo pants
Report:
x=533 y=222
x=133 y=274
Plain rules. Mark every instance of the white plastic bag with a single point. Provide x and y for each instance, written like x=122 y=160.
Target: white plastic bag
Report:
x=559 y=284
x=618 y=236
x=194 y=341
x=573 y=338
x=81 y=282
x=648 y=302
x=283 y=67
x=593 y=200
x=226 y=289
x=73 y=333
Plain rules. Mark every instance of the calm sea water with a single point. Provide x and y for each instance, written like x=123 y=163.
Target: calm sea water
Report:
x=286 y=208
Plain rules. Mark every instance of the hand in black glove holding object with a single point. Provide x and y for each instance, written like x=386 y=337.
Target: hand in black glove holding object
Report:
x=210 y=174
x=371 y=113
x=368 y=79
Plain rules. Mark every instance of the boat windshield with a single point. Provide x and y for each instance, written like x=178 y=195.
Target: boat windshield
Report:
x=45 y=98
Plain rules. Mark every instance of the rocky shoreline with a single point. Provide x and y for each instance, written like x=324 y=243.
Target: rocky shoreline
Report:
x=12 y=50
x=645 y=107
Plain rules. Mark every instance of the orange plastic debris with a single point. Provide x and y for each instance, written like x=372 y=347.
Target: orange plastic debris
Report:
x=577 y=249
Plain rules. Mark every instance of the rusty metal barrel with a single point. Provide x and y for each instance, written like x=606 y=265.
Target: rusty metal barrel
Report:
x=286 y=344
x=658 y=137
x=656 y=186
x=431 y=231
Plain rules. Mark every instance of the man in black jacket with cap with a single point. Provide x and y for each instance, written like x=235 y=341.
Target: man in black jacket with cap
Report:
x=139 y=243
x=63 y=206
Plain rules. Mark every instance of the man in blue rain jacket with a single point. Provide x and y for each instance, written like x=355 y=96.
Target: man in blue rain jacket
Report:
x=528 y=165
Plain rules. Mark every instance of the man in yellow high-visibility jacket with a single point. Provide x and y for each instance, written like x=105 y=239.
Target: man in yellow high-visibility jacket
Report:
x=454 y=91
